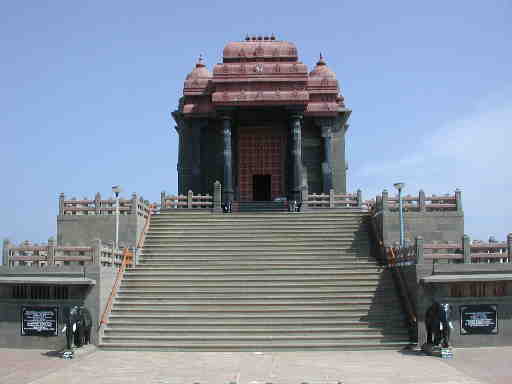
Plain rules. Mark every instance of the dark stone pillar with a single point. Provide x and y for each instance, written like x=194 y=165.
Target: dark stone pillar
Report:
x=228 y=160
x=296 y=158
x=327 y=164
x=179 y=165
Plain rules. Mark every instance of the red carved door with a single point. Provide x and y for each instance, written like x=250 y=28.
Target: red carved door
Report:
x=261 y=153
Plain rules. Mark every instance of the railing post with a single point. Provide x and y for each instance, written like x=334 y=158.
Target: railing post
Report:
x=378 y=203
x=420 y=257
x=162 y=200
x=97 y=203
x=509 y=247
x=96 y=251
x=217 y=196
x=359 y=198
x=331 y=198
x=305 y=194
x=466 y=248
x=385 y=196
x=458 y=200
x=5 y=251
x=61 y=203
x=421 y=200
x=134 y=207
x=50 y=257
x=190 y=196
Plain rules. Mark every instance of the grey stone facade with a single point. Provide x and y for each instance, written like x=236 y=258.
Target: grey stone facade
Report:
x=438 y=219
x=94 y=296
x=201 y=148
x=80 y=222
x=424 y=294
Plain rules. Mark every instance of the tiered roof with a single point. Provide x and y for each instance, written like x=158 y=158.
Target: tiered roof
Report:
x=262 y=71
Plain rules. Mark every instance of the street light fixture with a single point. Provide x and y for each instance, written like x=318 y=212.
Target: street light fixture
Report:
x=399 y=187
x=116 y=189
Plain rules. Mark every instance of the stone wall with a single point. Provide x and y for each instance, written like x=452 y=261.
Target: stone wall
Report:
x=438 y=219
x=434 y=227
x=424 y=294
x=94 y=297
x=82 y=230
x=80 y=221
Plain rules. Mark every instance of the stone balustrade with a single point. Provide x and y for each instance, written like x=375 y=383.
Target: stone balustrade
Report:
x=30 y=254
x=419 y=203
x=333 y=200
x=136 y=205
x=465 y=252
x=190 y=200
x=313 y=200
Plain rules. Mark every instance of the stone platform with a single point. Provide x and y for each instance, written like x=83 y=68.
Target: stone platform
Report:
x=469 y=366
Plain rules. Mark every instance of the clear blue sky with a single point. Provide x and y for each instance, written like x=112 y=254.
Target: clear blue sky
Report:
x=87 y=89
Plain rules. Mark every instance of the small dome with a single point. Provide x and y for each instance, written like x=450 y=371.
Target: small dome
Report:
x=322 y=70
x=200 y=71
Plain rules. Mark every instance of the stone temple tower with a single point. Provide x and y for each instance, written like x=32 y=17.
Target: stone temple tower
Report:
x=262 y=125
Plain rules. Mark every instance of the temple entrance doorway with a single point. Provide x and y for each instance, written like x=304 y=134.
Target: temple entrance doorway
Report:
x=261 y=160
x=261 y=185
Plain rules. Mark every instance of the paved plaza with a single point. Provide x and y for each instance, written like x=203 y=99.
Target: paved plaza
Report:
x=469 y=366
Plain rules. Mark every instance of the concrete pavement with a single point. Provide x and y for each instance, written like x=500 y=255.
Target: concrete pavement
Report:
x=469 y=366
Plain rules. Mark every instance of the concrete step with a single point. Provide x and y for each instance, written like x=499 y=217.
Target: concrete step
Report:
x=247 y=323
x=263 y=255
x=261 y=229
x=179 y=318
x=255 y=243
x=258 y=332
x=262 y=268
x=251 y=347
x=253 y=249
x=248 y=298
x=253 y=265
x=251 y=274
x=233 y=304
x=372 y=289
x=270 y=340
x=217 y=310
x=271 y=284
x=223 y=276
x=271 y=237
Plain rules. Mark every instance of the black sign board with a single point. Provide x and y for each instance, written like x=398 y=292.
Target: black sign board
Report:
x=479 y=319
x=39 y=321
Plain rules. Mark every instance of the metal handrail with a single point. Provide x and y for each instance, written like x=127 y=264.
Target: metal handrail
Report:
x=127 y=262
x=389 y=258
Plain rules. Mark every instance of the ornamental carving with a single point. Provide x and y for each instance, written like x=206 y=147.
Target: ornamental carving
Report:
x=262 y=72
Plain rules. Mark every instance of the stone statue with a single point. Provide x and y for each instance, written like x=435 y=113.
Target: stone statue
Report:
x=78 y=326
x=83 y=332
x=438 y=324
x=71 y=318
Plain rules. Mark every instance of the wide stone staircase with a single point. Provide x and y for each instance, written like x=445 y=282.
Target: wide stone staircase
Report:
x=256 y=282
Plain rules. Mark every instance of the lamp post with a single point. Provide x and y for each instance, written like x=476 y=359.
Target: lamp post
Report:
x=117 y=190
x=399 y=187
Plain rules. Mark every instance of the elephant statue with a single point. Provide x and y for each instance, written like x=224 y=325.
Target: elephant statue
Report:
x=71 y=318
x=78 y=326
x=83 y=332
x=438 y=324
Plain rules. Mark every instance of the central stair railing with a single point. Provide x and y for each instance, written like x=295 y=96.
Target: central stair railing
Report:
x=128 y=261
x=392 y=259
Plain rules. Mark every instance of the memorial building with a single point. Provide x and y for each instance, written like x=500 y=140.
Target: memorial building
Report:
x=262 y=124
